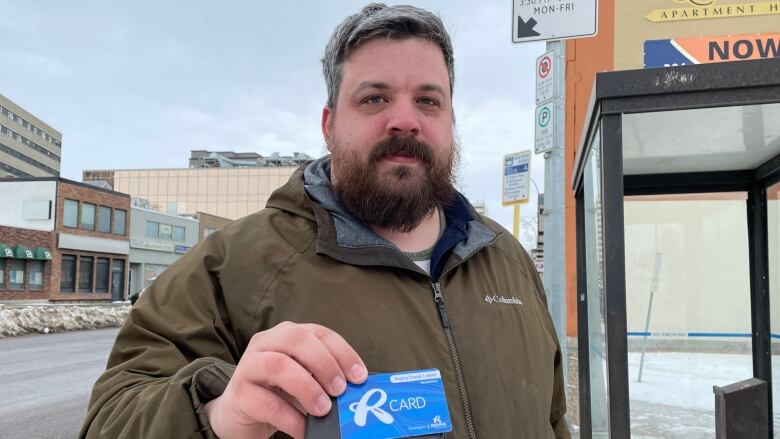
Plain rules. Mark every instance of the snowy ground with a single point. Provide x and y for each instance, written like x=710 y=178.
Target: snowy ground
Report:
x=18 y=320
x=675 y=398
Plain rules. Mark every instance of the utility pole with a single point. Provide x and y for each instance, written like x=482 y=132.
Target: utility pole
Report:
x=554 y=276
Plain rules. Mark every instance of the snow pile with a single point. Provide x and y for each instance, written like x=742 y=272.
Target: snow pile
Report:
x=59 y=318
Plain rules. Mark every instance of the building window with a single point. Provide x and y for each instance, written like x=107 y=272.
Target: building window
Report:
x=68 y=275
x=152 y=229
x=171 y=207
x=118 y=279
x=104 y=219
x=119 y=221
x=166 y=231
x=101 y=275
x=178 y=233
x=85 y=274
x=35 y=275
x=16 y=274
x=70 y=217
x=2 y=273
x=87 y=216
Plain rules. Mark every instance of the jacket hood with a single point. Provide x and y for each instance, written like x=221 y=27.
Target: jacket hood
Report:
x=290 y=197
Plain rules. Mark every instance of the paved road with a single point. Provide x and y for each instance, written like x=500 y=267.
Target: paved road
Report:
x=45 y=381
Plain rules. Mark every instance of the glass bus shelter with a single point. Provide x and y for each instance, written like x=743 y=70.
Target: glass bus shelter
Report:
x=677 y=187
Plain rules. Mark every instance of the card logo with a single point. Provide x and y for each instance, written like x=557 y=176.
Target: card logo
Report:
x=361 y=409
x=437 y=423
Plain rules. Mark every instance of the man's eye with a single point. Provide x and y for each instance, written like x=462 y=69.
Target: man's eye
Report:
x=374 y=100
x=428 y=101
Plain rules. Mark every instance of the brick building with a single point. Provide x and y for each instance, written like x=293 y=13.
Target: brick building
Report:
x=62 y=240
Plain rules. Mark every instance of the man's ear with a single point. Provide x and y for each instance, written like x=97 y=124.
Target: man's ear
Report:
x=327 y=114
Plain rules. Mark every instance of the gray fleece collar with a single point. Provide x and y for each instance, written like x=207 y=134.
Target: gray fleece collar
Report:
x=352 y=233
x=349 y=231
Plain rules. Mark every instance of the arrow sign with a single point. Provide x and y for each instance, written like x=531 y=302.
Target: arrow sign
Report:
x=525 y=29
x=536 y=20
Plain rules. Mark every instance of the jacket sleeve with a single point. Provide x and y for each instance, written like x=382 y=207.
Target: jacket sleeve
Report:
x=558 y=407
x=175 y=352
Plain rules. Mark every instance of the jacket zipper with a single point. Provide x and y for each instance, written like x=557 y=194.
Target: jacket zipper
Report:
x=438 y=298
x=445 y=322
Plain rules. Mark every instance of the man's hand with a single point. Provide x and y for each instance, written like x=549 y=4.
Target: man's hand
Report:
x=285 y=372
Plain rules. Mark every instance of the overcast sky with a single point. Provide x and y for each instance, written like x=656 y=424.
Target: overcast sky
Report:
x=138 y=84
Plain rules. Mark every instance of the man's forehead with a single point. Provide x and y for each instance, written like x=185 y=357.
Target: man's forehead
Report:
x=380 y=60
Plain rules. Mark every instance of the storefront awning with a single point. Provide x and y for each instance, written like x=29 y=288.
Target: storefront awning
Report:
x=41 y=253
x=22 y=252
x=6 y=252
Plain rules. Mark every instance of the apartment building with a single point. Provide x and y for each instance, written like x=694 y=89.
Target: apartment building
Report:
x=29 y=147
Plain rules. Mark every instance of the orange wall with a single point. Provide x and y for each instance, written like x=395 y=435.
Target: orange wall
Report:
x=597 y=55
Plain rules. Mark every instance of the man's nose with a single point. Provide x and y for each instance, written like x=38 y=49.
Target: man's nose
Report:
x=403 y=120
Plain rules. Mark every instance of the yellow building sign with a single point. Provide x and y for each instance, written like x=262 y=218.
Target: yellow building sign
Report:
x=634 y=26
x=708 y=9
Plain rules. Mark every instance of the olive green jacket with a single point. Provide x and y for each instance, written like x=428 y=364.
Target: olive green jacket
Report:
x=484 y=323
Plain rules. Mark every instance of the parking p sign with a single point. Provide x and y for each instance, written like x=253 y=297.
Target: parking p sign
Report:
x=545 y=127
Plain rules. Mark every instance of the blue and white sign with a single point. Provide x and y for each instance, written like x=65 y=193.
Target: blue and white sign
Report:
x=516 y=178
x=395 y=405
x=180 y=249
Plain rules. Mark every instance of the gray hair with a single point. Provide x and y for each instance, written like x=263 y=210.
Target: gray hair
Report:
x=378 y=20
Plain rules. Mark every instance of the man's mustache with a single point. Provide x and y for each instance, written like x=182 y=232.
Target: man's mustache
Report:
x=405 y=146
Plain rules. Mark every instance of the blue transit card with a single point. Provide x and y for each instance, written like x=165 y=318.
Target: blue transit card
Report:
x=395 y=405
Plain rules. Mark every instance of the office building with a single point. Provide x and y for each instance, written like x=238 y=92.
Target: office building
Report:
x=227 y=192
x=157 y=240
x=28 y=146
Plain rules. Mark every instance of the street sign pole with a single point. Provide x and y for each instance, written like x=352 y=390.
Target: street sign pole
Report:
x=554 y=275
x=554 y=22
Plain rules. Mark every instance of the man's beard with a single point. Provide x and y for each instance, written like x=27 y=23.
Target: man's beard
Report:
x=401 y=198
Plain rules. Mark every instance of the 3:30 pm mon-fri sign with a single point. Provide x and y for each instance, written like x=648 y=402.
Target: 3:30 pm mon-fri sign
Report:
x=535 y=20
x=517 y=173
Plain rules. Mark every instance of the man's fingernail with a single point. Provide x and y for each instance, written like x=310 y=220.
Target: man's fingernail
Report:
x=338 y=385
x=323 y=405
x=358 y=373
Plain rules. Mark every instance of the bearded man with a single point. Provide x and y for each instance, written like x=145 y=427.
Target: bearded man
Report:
x=366 y=260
